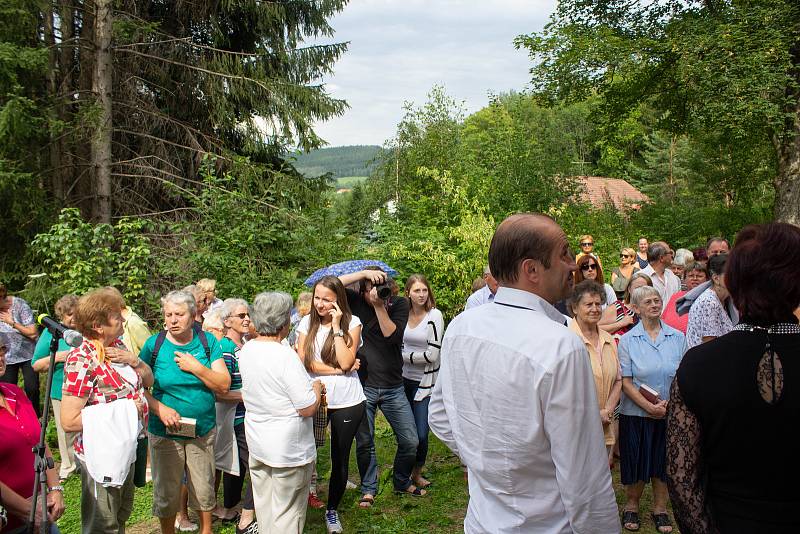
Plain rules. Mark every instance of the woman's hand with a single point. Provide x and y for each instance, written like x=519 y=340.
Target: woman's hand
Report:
x=188 y=363
x=336 y=317
x=605 y=416
x=6 y=317
x=626 y=320
x=356 y=364
x=124 y=357
x=61 y=356
x=169 y=417
x=55 y=505
x=659 y=410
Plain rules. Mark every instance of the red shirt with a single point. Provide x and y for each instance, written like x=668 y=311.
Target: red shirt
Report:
x=671 y=317
x=19 y=432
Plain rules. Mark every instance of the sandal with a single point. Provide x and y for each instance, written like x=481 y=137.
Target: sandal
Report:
x=422 y=483
x=366 y=501
x=662 y=521
x=629 y=517
x=416 y=492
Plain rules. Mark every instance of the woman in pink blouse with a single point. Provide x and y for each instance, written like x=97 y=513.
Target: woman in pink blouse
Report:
x=19 y=432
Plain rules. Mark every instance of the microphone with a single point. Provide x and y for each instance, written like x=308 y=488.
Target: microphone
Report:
x=71 y=337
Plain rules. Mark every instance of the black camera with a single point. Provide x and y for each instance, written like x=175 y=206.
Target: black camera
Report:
x=384 y=290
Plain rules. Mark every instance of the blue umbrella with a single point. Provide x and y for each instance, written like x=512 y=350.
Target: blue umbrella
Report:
x=347 y=267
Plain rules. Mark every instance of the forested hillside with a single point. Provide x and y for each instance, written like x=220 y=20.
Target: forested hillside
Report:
x=340 y=161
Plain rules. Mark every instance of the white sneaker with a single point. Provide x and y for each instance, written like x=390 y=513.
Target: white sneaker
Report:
x=332 y=521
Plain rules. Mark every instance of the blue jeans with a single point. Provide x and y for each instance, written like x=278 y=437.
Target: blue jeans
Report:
x=420 y=410
x=395 y=407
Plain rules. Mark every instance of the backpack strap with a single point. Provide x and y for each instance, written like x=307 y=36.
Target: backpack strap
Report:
x=198 y=332
x=157 y=347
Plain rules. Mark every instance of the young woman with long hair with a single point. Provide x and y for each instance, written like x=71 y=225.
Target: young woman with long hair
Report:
x=422 y=342
x=327 y=342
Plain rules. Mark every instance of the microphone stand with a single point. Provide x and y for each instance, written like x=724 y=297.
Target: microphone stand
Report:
x=41 y=461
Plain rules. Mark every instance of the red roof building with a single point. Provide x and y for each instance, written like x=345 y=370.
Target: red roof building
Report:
x=599 y=191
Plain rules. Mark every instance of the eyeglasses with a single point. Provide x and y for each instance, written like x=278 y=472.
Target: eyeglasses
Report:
x=241 y=315
x=589 y=266
x=587 y=244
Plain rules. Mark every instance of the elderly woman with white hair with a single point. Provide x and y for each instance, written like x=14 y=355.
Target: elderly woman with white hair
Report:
x=649 y=355
x=231 y=445
x=188 y=370
x=683 y=260
x=281 y=400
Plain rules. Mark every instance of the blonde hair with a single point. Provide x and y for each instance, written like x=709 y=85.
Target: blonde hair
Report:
x=303 y=304
x=66 y=305
x=206 y=285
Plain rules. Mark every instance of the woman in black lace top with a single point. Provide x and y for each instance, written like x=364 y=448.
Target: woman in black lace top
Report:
x=731 y=466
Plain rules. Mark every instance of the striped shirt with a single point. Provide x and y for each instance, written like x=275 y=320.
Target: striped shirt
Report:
x=230 y=353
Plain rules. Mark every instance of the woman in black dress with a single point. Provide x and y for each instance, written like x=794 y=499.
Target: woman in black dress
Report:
x=730 y=464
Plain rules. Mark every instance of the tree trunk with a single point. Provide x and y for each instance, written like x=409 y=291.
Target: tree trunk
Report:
x=56 y=181
x=787 y=181
x=67 y=64
x=102 y=79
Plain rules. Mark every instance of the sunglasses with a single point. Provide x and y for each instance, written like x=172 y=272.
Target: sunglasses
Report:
x=587 y=244
x=241 y=315
x=589 y=267
x=624 y=256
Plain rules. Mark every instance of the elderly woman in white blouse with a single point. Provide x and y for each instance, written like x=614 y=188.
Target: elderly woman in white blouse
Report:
x=281 y=400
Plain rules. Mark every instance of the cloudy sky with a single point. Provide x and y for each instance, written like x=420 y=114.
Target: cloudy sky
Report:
x=399 y=49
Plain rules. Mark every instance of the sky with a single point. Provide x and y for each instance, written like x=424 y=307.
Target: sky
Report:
x=399 y=49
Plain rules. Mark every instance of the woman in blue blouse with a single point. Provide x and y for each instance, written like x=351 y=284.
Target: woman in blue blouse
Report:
x=649 y=354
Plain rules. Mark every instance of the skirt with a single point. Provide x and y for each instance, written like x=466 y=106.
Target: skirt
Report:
x=642 y=449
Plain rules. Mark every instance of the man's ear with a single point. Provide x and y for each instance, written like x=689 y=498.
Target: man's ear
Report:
x=530 y=269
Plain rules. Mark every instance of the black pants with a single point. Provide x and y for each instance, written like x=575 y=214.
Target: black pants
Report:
x=231 y=484
x=30 y=378
x=344 y=424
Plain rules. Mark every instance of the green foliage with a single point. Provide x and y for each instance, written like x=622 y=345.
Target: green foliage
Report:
x=339 y=161
x=78 y=256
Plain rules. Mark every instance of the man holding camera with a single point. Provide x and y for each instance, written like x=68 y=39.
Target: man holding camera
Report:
x=384 y=317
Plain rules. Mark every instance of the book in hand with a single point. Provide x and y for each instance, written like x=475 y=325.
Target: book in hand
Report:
x=187 y=428
x=649 y=393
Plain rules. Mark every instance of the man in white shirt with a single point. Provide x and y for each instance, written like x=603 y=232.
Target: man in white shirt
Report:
x=516 y=398
x=665 y=281
x=484 y=294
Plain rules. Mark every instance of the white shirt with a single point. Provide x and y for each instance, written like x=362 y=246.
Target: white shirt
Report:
x=341 y=391
x=667 y=287
x=416 y=340
x=482 y=296
x=274 y=386
x=516 y=401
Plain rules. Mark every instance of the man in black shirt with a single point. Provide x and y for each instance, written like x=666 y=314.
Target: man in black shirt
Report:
x=381 y=374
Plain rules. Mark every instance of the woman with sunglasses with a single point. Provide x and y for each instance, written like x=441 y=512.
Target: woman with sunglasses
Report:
x=589 y=269
x=621 y=276
x=235 y=317
x=587 y=248
x=327 y=341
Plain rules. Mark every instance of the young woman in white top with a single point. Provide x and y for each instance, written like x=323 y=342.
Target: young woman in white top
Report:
x=422 y=342
x=327 y=341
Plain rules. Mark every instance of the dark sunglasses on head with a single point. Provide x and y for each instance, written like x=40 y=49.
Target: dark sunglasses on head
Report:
x=586 y=267
x=587 y=244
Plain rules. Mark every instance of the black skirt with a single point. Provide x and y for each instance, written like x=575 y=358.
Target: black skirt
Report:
x=642 y=449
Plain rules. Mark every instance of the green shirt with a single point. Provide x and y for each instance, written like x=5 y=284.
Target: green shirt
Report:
x=180 y=390
x=42 y=350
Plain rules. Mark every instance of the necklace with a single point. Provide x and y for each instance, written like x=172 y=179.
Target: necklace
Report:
x=778 y=328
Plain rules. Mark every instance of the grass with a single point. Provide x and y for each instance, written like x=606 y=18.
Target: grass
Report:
x=442 y=511
x=348 y=182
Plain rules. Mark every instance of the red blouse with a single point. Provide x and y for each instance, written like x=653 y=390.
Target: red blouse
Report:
x=19 y=432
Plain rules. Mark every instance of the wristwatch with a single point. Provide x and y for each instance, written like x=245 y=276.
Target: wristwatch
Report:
x=339 y=333
x=56 y=488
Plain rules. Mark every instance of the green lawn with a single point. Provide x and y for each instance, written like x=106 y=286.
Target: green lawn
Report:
x=441 y=511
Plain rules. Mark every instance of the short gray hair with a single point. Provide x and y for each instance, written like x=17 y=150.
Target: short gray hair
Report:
x=683 y=257
x=656 y=251
x=213 y=320
x=181 y=296
x=4 y=341
x=270 y=311
x=641 y=293
x=229 y=305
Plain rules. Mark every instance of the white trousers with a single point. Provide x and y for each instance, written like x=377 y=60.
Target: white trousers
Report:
x=281 y=496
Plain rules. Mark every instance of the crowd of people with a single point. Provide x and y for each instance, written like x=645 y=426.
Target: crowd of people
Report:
x=552 y=375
